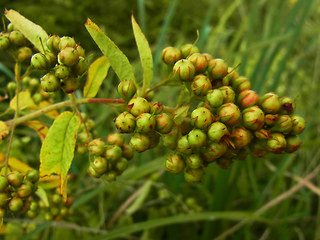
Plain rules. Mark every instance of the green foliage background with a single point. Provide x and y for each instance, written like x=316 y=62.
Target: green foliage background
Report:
x=277 y=44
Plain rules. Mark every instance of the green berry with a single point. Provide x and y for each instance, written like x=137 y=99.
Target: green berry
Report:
x=170 y=55
x=193 y=175
x=115 y=139
x=262 y=134
x=66 y=42
x=214 y=98
x=164 y=123
x=125 y=122
x=170 y=139
x=100 y=165
x=199 y=61
x=293 y=144
x=229 y=114
x=138 y=105
x=68 y=56
x=241 y=137
x=39 y=61
x=26 y=80
x=70 y=84
x=183 y=70
x=51 y=57
x=270 y=103
x=34 y=84
x=200 y=85
x=4 y=198
x=283 y=124
x=188 y=49
x=287 y=105
x=16 y=204
x=62 y=71
x=194 y=161
x=140 y=142
x=201 y=118
x=32 y=176
x=145 y=123
x=277 y=143
x=93 y=172
x=121 y=165
x=228 y=94
x=96 y=146
x=4 y=43
x=156 y=108
x=217 y=68
x=50 y=83
x=11 y=87
x=127 y=151
x=214 y=151
x=248 y=98
x=3 y=183
x=53 y=43
x=24 y=54
x=17 y=38
x=15 y=178
x=208 y=56
x=113 y=153
x=127 y=89
x=230 y=77
x=240 y=84
x=298 y=124
x=111 y=176
x=81 y=67
x=183 y=145
x=259 y=148
x=25 y=190
x=253 y=118
x=80 y=51
x=175 y=163
x=197 y=138
x=217 y=131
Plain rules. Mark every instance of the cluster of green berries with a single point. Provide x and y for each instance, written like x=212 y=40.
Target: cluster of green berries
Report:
x=110 y=158
x=14 y=41
x=85 y=137
x=230 y=121
x=16 y=192
x=64 y=62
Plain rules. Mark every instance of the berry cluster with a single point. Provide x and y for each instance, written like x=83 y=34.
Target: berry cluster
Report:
x=230 y=119
x=85 y=137
x=110 y=158
x=16 y=192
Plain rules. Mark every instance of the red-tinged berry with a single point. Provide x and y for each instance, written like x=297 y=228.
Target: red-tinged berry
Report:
x=270 y=103
x=171 y=55
x=194 y=161
x=15 y=178
x=283 y=124
x=293 y=144
x=197 y=138
x=70 y=84
x=4 y=198
x=277 y=143
x=201 y=118
x=287 y=105
x=214 y=98
x=298 y=124
x=193 y=175
x=164 y=123
x=259 y=148
x=113 y=153
x=184 y=70
x=96 y=146
x=217 y=131
x=2 y=213
x=214 y=151
x=17 y=38
x=15 y=204
x=262 y=134
x=24 y=54
x=25 y=190
x=50 y=83
x=228 y=94
x=138 y=105
x=248 y=98
x=115 y=139
x=140 y=142
x=175 y=163
x=199 y=61
x=3 y=183
x=200 y=85
x=81 y=67
x=229 y=114
x=100 y=165
x=145 y=123
x=52 y=58
x=170 y=139
x=127 y=89
x=240 y=84
x=253 y=118
x=241 y=137
x=67 y=42
x=208 y=56
x=230 y=77
x=156 y=108
x=125 y=122
x=39 y=61
x=188 y=49
x=62 y=71
x=270 y=119
x=68 y=56
x=217 y=68
x=127 y=151
x=53 y=43
x=183 y=145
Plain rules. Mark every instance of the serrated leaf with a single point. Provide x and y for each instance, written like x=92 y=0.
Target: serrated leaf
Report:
x=118 y=61
x=97 y=72
x=39 y=127
x=144 y=52
x=25 y=101
x=33 y=32
x=180 y=114
x=4 y=130
x=57 y=150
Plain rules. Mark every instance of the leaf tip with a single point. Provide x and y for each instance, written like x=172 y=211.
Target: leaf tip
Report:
x=88 y=22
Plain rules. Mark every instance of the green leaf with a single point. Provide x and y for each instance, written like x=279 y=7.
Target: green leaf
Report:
x=144 y=52
x=144 y=191
x=180 y=114
x=42 y=194
x=33 y=32
x=118 y=61
x=97 y=72
x=58 y=148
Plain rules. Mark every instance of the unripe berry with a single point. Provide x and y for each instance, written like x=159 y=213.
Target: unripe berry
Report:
x=34 y=206
x=3 y=183
x=125 y=122
x=193 y=175
x=138 y=105
x=52 y=58
x=170 y=139
x=145 y=123
x=217 y=131
x=50 y=83
x=214 y=151
x=262 y=134
x=56 y=199
x=253 y=118
x=228 y=94
x=70 y=84
x=24 y=54
x=34 y=84
x=217 y=68
x=230 y=77
x=259 y=148
x=270 y=119
x=283 y=124
x=81 y=67
x=170 y=55
x=194 y=161
x=25 y=190
x=66 y=42
x=183 y=70
x=39 y=61
x=121 y=165
x=199 y=61
x=248 y=98
x=293 y=144
x=80 y=51
x=287 y=105
x=156 y=108
x=32 y=176
x=15 y=178
x=83 y=137
x=11 y=87
x=111 y=176
x=200 y=85
x=188 y=49
x=113 y=153
x=68 y=56
x=270 y=103
x=100 y=165
x=115 y=139
x=31 y=214
x=4 y=198
x=183 y=145
x=96 y=146
x=4 y=43
x=214 y=98
x=298 y=124
x=15 y=204
x=185 y=126
x=127 y=151
x=208 y=56
x=197 y=138
x=17 y=38
x=175 y=163
x=164 y=123
x=140 y=142
x=62 y=71
x=127 y=89
x=201 y=118
x=241 y=137
x=53 y=43
x=241 y=83
x=277 y=143
x=229 y=114
x=93 y=172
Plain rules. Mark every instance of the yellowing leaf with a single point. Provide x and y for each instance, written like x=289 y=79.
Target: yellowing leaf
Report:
x=118 y=61
x=15 y=164
x=57 y=150
x=97 y=72
x=180 y=114
x=33 y=32
x=40 y=128
x=25 y=101
x=144 y=52
x=53 y=113
x=4 y=130
x=49 y=182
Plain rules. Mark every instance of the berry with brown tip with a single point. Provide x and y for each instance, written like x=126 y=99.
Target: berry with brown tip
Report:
x=53 y=43
x=175 y=163
x=183 y=145
x=145 y=123
x=188 y=49
x=164 y=123
x=127 y=89
x=15 y=178
x=138 y=105
x=248 y=98
x=293 y=143
x=201 y=118
x=277 y=143
x=171 y=55
x=199 y=61
x=200 y=85
x=229 y=114
x=68 y=56
x=50 y=83
x=287 y=105
x=194 y=161
x=217 y=68
x=253 y=118
x=298 y=124
x=115 y=139
x=270 y=103
x=214 y=151
x=241 y=137
x=183 y=70
x=283 y=124
x=241 y=83
x=125 y=122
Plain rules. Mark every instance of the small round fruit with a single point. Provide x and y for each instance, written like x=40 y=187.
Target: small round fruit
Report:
x=188 y=49
x=170 y=55
x=197 y=138
x=96 y=146
x=183 y=70
x=217 y=131
x=217 y=68
x=214 y=98
x=138 y=105
x=145 y=123
x=164 y=123
x=175 y=163
x=270 y=103
x=127 y=89
x=50 y=83
x=193 y=175
x=68 y=56
x=229 y=114
x=115 y=139
x=125 y=122
x=201 y=118
x=140 y=142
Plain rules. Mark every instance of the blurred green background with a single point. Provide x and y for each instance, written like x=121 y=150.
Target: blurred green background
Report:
x=277 y=45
